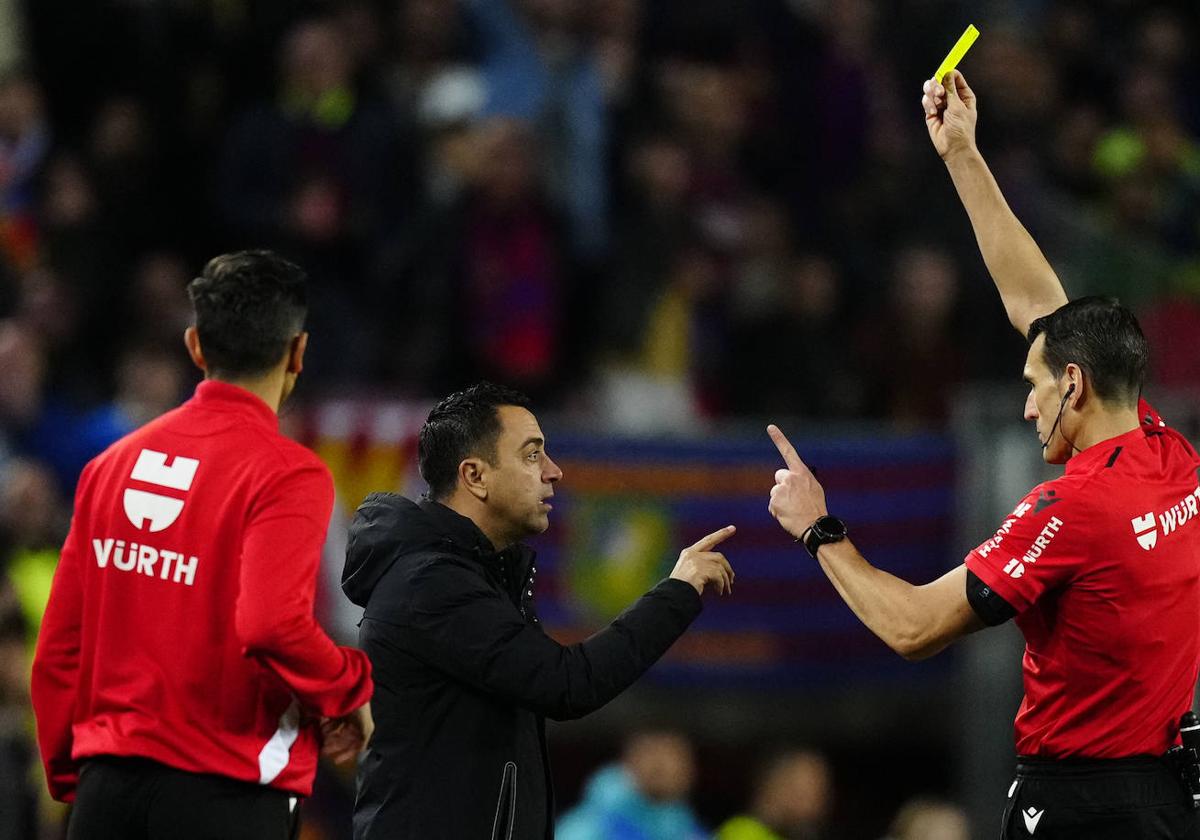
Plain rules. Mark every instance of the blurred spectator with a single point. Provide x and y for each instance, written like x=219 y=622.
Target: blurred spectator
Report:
x=642 y=798
x=157 y=301
x=659 y=386
x=18 y=793
x=650 y=307
x=1171 y=324
x=496 y=260
x=792 y=358
x=25 y=139
x=1151 y=163
x=150 y=382
x=791 y=802
x=540 y=66
x=430 y=40
x=12 y=44
x=912 y=345
x=78 y=253
x=124 y=153
x=33 y=524
x=22 y=378
x=319 y=163
x=318 y=174
x=929 y=819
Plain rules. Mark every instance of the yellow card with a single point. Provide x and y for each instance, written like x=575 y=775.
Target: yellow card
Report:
x=956 y=54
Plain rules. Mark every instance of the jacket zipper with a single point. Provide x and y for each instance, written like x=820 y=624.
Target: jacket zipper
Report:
x=508 y=785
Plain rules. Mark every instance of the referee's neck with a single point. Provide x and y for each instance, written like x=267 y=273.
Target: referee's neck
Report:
x=1105 y=423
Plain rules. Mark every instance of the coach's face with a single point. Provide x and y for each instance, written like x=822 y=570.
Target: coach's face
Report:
x=1043 y=404
x=522 y=479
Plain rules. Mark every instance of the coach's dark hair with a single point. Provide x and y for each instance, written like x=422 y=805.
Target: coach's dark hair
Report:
x=463 y=425
x=249 y=306
x=1104 y=339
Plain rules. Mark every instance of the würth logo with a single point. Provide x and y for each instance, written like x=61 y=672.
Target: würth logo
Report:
x=1144 y=530
x=153 y=511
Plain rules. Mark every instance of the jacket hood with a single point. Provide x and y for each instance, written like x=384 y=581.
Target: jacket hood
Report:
x=387 y=527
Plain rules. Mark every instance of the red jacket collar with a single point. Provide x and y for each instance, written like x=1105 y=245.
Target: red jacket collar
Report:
x=221 y=396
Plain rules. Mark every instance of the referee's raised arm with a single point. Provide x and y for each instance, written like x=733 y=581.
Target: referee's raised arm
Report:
x=1028 y=286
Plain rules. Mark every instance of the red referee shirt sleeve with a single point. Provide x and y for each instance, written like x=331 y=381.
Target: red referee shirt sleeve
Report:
x=1037 y=549
x=55 y=681
x=274 y=618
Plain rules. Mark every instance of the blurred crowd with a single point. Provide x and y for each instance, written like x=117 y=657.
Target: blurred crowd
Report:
x=645 y=796
x=655 y=215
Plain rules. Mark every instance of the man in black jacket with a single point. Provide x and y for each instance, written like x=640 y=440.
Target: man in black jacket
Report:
x=464 y=675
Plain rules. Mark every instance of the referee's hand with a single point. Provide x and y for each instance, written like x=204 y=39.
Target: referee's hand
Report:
x=950 y=114
x=343 y=738
x=797 y=499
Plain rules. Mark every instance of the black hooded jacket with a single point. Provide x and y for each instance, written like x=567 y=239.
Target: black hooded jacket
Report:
x=465 y=677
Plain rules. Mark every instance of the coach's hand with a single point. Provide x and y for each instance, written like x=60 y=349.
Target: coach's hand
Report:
x=797 y=499
x=343 y=738
x=700 y=565
x=950 y=114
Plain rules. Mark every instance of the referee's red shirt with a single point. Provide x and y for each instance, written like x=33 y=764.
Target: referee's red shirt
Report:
x=180 y=626
x=1103 y=568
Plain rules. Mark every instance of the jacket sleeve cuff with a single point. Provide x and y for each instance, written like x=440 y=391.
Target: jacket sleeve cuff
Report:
x=681 y=593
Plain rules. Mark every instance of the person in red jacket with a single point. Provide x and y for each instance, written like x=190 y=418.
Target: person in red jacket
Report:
x=181 y=685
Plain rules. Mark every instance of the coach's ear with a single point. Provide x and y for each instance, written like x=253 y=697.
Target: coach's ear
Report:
x=191 y=339
x=473 y=476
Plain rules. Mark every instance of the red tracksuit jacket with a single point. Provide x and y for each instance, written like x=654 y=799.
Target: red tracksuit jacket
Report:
x=180 y=625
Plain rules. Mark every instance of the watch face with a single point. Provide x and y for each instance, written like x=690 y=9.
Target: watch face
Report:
x=831 y=526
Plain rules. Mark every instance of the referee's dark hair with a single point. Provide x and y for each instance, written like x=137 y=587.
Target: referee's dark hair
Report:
x=462 y=425
x=1104 y=339
x=249 y=306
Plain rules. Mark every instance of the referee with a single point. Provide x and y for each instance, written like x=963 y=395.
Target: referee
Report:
x=1100 y=567
x=181 y=684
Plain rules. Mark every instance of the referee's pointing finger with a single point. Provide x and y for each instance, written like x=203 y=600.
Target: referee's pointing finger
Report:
x=786 y=449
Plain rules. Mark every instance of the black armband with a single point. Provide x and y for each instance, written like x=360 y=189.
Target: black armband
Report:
x=987 y=603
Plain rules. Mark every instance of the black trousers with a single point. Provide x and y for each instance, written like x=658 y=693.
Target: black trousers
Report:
x=1124 y=799
x=138 y=799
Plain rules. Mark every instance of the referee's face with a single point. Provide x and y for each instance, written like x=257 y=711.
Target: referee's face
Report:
x=1043 y=403
x=522 y=480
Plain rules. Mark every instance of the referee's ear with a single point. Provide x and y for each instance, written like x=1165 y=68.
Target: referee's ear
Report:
x=191 y=339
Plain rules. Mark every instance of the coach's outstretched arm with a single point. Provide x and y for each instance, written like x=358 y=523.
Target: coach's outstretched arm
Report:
x=1027 y=284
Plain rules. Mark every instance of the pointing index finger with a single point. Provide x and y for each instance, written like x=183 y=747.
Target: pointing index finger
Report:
x=714 y=539
x=785 y=448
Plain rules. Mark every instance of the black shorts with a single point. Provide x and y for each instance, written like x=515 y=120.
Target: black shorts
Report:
x=138 y=799
x=1081 y=799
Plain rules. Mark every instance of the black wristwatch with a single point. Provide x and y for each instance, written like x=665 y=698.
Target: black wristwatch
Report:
x=827 y=529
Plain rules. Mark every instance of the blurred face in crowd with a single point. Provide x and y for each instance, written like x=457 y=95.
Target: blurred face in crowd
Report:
x=924 y=288
x=662 y=766
x=20 y=108
x=939 y=824
x=813 y=288
x=29 y=504
x=150 y=383
x=427 y=27
x=504 y=165
x=316 y=59
x=929 y=820
x=521 y=480
x=22 y=373
x=121 y=132
x=661 y=169
x=795 y=795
